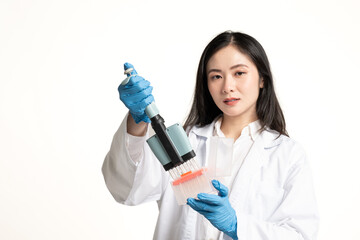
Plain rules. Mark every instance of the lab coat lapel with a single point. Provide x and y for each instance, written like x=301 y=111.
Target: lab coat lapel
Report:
x=251 y=165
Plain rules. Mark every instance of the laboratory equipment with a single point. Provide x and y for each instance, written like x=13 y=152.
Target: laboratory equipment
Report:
x=172 y=148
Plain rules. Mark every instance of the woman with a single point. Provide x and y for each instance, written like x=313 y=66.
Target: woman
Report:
x=269 y=194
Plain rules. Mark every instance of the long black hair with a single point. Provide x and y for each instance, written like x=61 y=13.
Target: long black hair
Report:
x=204 y=109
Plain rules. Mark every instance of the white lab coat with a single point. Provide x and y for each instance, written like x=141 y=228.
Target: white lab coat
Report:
x=272 y=193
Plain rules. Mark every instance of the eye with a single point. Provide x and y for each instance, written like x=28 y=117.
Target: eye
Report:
x=239 y=73
x=214 y=77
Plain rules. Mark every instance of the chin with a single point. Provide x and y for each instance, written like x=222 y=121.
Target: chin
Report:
x=233 y=114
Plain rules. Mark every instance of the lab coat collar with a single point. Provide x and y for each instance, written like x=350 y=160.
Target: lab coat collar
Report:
x=252 y=129
x=205 y=131
x=270 y=138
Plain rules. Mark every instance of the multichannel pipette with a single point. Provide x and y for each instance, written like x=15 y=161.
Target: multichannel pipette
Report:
x=172 y=148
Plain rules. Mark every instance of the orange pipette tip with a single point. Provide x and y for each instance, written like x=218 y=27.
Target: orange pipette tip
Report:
x=187 y=173
x=188 y=176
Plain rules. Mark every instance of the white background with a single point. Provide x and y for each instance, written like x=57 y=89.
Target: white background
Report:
x=61 y=64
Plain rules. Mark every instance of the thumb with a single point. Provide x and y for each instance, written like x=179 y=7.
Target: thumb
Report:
x=223 y=190
x=127 y=66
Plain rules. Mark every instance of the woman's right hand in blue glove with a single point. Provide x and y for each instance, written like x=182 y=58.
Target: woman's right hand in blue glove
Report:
x=136 y=95
x=217 y=209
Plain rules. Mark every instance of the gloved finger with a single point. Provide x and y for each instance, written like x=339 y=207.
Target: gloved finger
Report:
x=223 y=190
x=198 y=205
x=127 y=66
x=137 y=88
x=135 y=80
x=193 y=204
x=138 y=118
x=210 y=199
x=135 y=98
x=129 y=88
x=139 y=107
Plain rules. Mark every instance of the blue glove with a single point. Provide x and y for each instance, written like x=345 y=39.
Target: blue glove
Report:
x=136 y=95
x=217 y=209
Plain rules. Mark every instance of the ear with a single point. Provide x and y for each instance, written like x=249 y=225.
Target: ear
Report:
x=261 y=83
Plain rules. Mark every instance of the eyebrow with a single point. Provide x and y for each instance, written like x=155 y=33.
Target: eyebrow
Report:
x=235 y=66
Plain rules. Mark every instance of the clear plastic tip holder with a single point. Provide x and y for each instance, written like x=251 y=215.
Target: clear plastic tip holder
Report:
x=190 y=184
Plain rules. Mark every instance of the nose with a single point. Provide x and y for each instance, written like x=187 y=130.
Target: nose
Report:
x=229 y=85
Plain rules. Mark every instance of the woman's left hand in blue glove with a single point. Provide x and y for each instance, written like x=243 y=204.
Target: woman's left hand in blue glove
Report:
x=217 y=209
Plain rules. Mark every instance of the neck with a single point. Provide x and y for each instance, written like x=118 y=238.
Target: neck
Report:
x=233 y=126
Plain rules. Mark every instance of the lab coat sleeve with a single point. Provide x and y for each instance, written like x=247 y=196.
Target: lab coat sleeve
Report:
x=296 y=217
x=133 y=181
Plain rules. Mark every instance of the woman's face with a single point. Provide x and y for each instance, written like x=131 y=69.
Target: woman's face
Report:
x=233 y=82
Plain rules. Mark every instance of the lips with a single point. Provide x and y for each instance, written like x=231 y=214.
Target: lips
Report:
x=231 y=101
